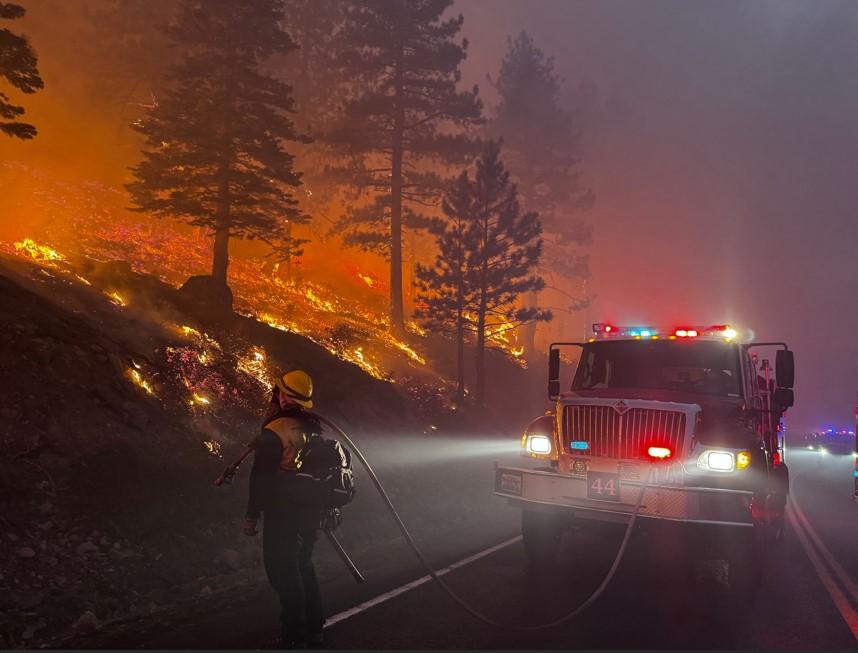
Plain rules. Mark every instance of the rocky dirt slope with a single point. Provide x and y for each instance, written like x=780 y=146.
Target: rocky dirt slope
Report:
x=118 y=410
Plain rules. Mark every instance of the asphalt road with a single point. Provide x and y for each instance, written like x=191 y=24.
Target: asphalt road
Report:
x=660 y=597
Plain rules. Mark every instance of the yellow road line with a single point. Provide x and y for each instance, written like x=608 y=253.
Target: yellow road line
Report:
x=841 y=602
x=842 y=574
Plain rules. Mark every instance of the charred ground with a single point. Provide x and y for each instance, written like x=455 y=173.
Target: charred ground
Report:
x=119 y=409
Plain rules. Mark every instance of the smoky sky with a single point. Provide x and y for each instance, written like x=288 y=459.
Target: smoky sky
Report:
x=730 y=193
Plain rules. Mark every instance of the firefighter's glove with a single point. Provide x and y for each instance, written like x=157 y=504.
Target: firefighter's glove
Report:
x=250 y=528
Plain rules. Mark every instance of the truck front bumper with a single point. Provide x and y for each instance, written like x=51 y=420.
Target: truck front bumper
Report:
x=543 y=490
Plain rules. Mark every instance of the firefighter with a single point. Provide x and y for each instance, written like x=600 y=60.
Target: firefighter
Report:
x=289 y=525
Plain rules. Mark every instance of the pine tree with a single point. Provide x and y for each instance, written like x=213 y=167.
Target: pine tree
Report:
x=18 y=66
x=215 y=152
x=445 y=294
x=508 y=245
x=544 y=152
x=404 y=117
x=487 y=251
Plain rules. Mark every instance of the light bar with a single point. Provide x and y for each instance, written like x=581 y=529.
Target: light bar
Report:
x=603 y=330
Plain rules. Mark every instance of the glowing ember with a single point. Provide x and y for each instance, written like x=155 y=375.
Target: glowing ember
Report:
x=413 y=355
x=139 y=380
x=368 y=280
x=39 y=253
x=416 y=328
x=116 y=298
x=254 y=365
x=360 y=359
x=200 y=400
x=213 y=447
x=323 y=304
x=204 y=339
x=82 y=280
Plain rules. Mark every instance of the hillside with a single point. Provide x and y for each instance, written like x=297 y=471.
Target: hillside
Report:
x=120 y=408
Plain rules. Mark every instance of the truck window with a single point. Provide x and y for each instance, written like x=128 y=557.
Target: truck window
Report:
x=704 y=367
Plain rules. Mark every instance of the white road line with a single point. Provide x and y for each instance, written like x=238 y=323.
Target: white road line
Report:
x=841 y=602
x=836 y=567
x=351 y=612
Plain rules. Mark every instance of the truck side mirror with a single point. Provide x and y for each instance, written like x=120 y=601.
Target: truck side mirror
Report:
x=784 y=397
x=553 y=373
x=785 y=368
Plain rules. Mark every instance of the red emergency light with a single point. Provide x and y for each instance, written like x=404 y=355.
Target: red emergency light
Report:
x=659 y=453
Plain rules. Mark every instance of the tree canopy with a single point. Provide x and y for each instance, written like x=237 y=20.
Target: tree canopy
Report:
x=19 y=67
x=215 y=142
x=403 y=118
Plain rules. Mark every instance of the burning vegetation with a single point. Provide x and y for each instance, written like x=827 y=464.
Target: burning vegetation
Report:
x=311 y=165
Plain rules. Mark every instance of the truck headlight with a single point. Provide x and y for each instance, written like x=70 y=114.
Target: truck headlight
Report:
x=538 y=444
x=717 y=461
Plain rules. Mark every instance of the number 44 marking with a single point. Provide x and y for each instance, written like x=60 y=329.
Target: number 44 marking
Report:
x=608 y=487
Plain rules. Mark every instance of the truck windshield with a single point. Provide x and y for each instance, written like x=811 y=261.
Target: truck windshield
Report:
x=704 y=367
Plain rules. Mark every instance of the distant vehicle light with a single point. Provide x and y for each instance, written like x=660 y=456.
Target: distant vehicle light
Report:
x=823 y=450
x=660 y=453
x=810 y=446
x=538 y=444
x=579 y=445
x=717 y=461
x=743 y=459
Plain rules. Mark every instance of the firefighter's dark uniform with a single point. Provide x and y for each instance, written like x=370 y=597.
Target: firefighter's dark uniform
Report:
x=289 y=528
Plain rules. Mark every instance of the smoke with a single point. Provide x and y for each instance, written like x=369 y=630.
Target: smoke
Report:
x=720 y=142
x=724 y=188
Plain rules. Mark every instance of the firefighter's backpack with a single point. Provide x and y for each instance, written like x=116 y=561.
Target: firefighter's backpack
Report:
x=325 y=473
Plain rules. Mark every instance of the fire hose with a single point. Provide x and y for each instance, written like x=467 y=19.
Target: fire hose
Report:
x=594 y=596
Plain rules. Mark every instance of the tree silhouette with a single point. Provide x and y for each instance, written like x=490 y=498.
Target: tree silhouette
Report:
x=215 y=152
x=445 y=295
x=18 y=66
x=402 y=120
x=487 y=251
x=544 y=153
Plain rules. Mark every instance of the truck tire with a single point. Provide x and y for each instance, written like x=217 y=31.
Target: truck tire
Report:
x=541 y=533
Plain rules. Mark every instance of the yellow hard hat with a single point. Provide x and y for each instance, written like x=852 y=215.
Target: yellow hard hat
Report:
x=298 y=386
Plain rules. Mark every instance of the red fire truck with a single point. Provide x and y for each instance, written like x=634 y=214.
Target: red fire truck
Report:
x=690 y=412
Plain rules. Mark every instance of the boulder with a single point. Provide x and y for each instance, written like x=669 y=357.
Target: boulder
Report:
x=206 y=299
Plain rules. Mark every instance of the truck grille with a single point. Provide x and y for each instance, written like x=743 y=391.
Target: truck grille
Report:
x=612 y=435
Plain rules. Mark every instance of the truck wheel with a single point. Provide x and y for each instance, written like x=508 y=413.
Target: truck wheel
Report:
x=541 y=533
